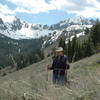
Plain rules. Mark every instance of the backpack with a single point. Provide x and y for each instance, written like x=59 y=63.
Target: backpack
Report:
x=61 y=63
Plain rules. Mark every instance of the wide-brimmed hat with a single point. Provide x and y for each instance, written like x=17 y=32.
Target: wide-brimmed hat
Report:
x=59 y=49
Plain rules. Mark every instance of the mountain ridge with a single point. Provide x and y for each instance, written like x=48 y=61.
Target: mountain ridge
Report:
x=17 y=33
x=18 y=29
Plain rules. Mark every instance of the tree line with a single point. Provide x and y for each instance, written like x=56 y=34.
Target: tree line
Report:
x=33 y=57
x=81 y=47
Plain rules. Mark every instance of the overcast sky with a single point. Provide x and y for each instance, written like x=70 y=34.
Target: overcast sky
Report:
x=48 y=11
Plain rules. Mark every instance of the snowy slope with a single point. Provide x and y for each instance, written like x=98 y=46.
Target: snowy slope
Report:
x=77 y=27
x=25 y=31
x=17 y=29
x=29 y=33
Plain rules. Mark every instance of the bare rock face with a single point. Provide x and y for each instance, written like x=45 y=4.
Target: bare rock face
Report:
x=1 y=21
x=16 y=25
x=2 y=25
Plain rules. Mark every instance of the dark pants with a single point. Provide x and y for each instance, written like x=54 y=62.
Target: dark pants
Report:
x=59 y=79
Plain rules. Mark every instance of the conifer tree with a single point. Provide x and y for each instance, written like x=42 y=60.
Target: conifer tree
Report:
x=69 y=51
x=62 y=43
x=88 y=48
x=95 y=34
x=21 y=63
x=74 y=48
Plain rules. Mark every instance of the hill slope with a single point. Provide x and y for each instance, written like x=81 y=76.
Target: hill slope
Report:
x=15 y=48
x=34 y=82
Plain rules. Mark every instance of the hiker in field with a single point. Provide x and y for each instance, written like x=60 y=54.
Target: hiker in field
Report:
x=59 y=66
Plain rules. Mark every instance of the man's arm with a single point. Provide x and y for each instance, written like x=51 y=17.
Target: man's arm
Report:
x=52 y=67
x=67 y=63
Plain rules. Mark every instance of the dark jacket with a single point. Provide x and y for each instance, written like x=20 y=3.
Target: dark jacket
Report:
x=59 y=65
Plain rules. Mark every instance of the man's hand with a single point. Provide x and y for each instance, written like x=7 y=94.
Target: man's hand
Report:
x=48 y=67
x=68 y=66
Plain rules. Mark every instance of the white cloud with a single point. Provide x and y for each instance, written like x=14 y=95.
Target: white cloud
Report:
x=89 y=13
x=5 y=10
x=32 y=6
x=87 y=8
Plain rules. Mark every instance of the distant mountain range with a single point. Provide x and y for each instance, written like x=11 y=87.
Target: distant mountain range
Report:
x=18 y=29
x=20 y=35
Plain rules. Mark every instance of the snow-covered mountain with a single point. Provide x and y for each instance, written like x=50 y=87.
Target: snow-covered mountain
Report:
x=18 y=29
x=68 y=28
x=18 y=36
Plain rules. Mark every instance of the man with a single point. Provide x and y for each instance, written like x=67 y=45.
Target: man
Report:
x=59 y=67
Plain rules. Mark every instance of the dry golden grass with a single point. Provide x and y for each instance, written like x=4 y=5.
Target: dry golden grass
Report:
x=34 y=82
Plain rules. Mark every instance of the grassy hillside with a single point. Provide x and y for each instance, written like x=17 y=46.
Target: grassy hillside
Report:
x=34 y=82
